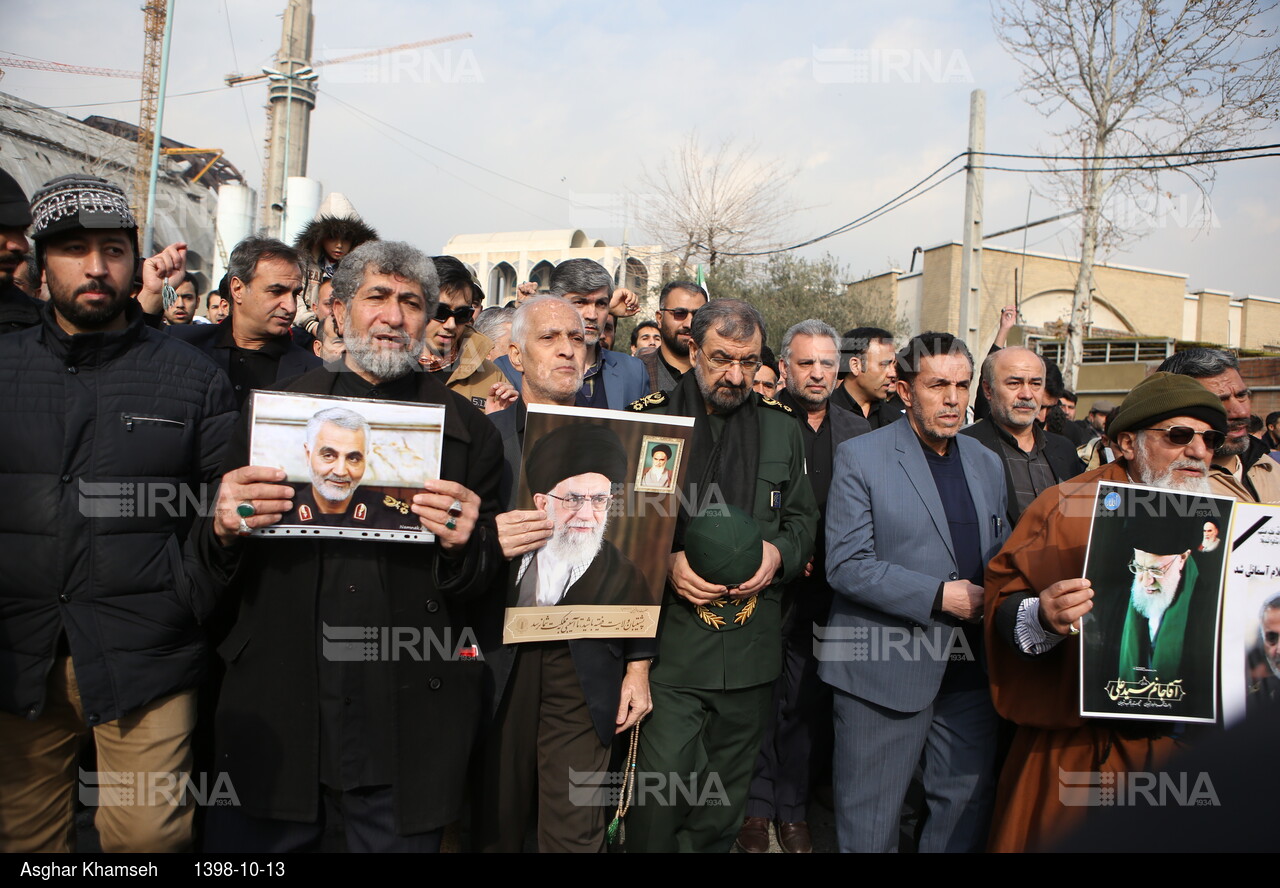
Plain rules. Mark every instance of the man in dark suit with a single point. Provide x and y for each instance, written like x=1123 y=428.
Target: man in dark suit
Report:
x=253 y=346
x=913 y=514
x=373 y=748
x=612 y=380
x=554 y=706
x=1034 y=460
x=801 y=726
x=868 y=377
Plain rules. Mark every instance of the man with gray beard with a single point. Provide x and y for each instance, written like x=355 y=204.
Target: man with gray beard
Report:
x=330 y=742
x=1164 y=435
x=1241 y=466
x=554 y=707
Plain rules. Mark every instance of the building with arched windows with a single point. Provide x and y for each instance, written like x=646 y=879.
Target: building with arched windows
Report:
x=501 y=261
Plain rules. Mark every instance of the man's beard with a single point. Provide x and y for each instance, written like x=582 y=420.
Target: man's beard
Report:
x=1169 y=480
x=1013 y=420
x=329 y=491
x=795 y=387
x=576 y=549
x=384 y=363
x=1151 y=605
x=89 y=317
x=677 y=346
x=1235 y=446
x=724 y=398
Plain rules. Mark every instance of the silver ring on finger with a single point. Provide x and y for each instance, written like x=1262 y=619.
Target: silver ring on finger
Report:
x=244 y=529
x=455 y=510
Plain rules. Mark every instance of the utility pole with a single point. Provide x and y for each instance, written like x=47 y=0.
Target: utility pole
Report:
x=292 y=97
x=971 y=254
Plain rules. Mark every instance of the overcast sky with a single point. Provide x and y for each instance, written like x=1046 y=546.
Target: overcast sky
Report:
x=574 y=99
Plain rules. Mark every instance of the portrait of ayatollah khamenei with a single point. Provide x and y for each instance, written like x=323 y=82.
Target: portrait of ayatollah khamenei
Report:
x=601 y=572
x=1148 y=648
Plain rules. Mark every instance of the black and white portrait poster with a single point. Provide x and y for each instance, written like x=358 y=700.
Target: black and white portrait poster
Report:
x=610 y=482
x=354 y=463
x=1149 y=647
x=1251 y=615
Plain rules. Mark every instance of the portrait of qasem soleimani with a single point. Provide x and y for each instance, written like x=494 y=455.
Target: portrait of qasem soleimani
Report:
x=1263 y=660
x=336 y=447
x=1154 y=621
x=573 y=473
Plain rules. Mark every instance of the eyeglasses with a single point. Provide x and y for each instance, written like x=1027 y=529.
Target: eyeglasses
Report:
x=444 y=312
x=599 y=501
x=749 y=365
x=1156 y=572
x=680 y=313
x=1182 y=435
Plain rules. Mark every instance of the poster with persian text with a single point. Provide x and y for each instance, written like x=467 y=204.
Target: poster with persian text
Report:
x=609 y=482
x=1251 y=615
x=1149 y=646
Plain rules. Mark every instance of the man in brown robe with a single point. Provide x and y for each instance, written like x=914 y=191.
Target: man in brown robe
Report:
x=1036 y=597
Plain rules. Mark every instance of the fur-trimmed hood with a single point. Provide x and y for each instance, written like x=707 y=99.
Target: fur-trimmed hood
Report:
x=352 y=228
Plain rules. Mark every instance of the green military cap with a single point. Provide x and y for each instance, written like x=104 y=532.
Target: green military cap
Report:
x=723 y=545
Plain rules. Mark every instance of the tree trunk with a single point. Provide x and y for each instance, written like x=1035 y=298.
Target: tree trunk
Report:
x=1081 y=307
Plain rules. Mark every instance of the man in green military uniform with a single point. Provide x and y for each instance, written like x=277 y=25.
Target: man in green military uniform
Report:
x=720 y=648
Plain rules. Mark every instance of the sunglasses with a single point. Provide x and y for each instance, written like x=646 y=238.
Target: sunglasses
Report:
x=680 y=313
x=444 y=312
x=1182 y=435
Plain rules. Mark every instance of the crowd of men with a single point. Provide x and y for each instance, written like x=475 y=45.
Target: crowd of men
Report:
x=180 y=643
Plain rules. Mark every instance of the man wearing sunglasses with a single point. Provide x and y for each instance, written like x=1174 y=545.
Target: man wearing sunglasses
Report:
x=1164 y=435
x=1242 y=466
x=455 y=351
x=677 y=304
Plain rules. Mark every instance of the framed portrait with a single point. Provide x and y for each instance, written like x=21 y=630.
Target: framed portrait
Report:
x=1149 y=646
x=659 y=464
x=1250 y=660
x=602 y=572
x=354 y=463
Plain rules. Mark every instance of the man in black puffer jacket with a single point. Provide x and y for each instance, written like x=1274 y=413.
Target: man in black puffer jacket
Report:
x=112 y=435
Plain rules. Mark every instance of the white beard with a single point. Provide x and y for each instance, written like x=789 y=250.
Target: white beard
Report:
x=1170 y=481
x=577 y=550
x=328 y=491
x=1151 y=605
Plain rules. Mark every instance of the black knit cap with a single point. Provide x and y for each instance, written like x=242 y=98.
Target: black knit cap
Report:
x=15 y=211
x=1163 y=396
x=578 y=449
x=77 y=202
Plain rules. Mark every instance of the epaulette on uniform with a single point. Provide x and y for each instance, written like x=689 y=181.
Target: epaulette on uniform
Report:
x=648 y=402
x=776 y=405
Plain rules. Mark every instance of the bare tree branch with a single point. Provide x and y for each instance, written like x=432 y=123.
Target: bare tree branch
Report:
x=1138 y=77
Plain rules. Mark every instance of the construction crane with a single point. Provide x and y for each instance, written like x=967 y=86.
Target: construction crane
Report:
x=59 y=67
x=238 y=79
x=153 y=27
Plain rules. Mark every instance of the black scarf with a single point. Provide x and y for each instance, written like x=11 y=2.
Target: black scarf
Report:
x=732 y=462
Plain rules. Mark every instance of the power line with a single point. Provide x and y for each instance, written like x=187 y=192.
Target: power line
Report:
x=470 y=184
x=1128 y=156
x=197 y=92
x=870 y=216
x=458 y=157
x=1148 y=169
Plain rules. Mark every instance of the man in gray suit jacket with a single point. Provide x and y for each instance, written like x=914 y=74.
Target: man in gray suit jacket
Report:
x=913 y=516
